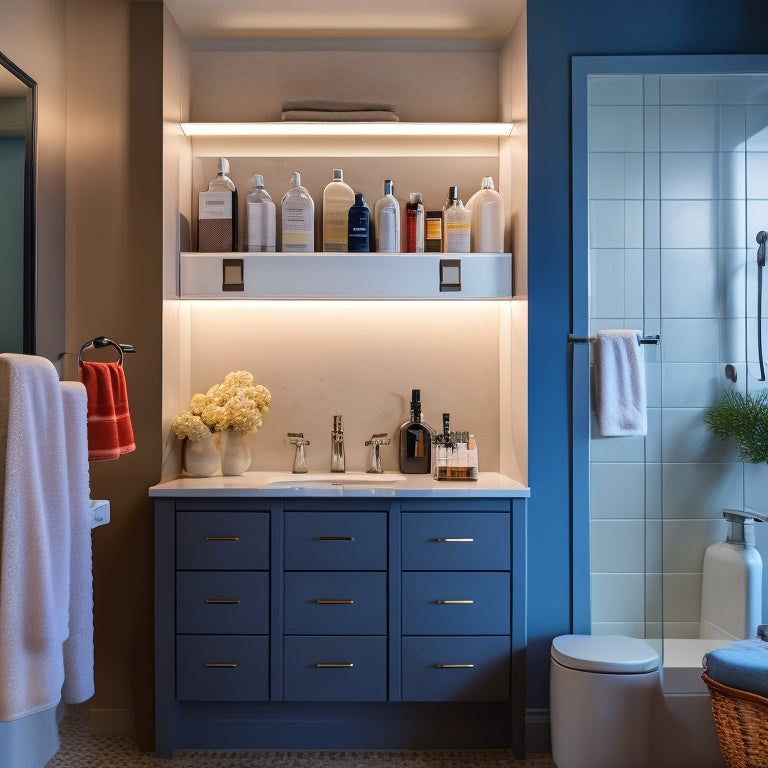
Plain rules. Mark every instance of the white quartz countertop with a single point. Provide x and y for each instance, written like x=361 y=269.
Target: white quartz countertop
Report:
x=350 y=484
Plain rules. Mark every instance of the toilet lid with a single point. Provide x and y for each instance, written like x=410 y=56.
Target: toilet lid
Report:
x=605 y=653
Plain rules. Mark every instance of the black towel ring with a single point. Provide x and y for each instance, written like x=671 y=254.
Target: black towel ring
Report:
x=103 y=341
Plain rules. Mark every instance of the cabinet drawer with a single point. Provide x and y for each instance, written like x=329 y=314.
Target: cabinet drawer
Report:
x=448 y=603
x=222 y=541
x=473 y=541
x=224 y=602
x=220 y=668
x=335 y=669
x=455 y=669
x=328 y=603
x=335 y=541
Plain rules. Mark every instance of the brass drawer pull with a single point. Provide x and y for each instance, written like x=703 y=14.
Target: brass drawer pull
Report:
x=332 y=601
x=455 y=666
x=222 y=601
x=219 y=665
x=455 y=602
x=222 y=538
x=334 y=538
x=442 y=540
x=334 y=665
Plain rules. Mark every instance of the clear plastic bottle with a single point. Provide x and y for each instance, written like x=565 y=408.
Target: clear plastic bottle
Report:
x=298 y=218
x=386 y=216
x=414 y=224
x=338 y=198
x=359 y=226
x=457 y=222
x=217 y=213
x=486 y=208
x=260 y=216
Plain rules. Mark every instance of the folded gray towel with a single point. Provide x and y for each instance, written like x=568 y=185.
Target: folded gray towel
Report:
x=335 y=105
x=356 y=117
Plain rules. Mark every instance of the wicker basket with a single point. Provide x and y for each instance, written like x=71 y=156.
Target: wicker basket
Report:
x=741 y=720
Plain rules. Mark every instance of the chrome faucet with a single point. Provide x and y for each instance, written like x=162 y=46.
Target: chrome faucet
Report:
x=375 y=443
x=337 y=445
x=300 y=459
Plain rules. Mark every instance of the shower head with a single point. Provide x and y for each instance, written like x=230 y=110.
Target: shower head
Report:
x=761 y=237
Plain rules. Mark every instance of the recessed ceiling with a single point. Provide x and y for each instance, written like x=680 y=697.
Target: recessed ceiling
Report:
x=445 y=19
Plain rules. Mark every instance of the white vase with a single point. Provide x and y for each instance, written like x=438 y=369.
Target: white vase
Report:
x=201 y=457
x=235 y=452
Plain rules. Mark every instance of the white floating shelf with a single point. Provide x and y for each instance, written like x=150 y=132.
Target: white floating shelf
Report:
x=334 y=128
x=346 y=276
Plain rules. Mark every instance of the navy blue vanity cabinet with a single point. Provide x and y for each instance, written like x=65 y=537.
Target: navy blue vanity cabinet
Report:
x=349 y=621
x=335 y=644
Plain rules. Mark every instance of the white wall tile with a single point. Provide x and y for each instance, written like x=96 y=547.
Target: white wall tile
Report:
x=607 y=284
x=690 y=128
x=606 y=224
x=690 y=224
x=618 y=597
x=689 y=386
x=685 y=542
x=615 y=89
x=690 y=285
x=617 y=490
x=618 y=546
x=700 y=490
x=757 y=175
x=606 y=175
x=690 y=175
x=682 y=596
x=757 y=128
x=690 y=341
x=689 y=89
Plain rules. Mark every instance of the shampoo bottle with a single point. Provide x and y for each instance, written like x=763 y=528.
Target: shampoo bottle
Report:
x=487 y=215
x=414 y=224
x=457 y=222
x=338 y=197
x=416 y=437
x=217 y=213
x=359 y=226
x=387 y=221
x=298 y=218
x=260 y=215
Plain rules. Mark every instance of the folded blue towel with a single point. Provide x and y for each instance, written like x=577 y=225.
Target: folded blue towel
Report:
x=742 y=665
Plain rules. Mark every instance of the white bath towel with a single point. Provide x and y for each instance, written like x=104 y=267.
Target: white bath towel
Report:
x=78 y=648
x=620 y=382
x=35 y=525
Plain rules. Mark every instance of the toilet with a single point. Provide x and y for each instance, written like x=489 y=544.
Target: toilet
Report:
x=601 y=698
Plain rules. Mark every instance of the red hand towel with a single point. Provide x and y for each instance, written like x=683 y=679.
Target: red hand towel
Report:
x=110 y=432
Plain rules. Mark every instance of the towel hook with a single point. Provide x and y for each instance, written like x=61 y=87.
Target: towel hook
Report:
x=103 y=341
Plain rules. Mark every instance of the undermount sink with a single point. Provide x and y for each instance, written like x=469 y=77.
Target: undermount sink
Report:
x=335 y=480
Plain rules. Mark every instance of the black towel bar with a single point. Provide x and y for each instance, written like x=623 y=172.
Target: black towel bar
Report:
x=103 y=341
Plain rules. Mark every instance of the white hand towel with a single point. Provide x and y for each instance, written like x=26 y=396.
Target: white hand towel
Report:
x=78 y=648
x=35 y=525
x=620 y=381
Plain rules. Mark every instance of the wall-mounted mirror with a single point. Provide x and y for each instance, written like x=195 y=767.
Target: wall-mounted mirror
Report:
x=18 y=95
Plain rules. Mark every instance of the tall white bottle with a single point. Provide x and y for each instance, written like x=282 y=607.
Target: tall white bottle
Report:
x=260 y=215
x=338 y=198
x=457 y=222
x=487 y=218
x=386 y=218
x=217 y=213
x=298 y=218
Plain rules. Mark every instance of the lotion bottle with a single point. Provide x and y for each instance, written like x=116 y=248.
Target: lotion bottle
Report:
x=260 y=216
x=298 y=218
x=457 y=222
x=386 y=218
x=338 y=198
x=487 y=216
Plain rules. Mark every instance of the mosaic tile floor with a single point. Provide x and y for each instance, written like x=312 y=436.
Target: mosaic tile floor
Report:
x=80 y=749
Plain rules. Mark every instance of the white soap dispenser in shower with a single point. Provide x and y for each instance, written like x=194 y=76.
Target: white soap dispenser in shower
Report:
x=732 y=579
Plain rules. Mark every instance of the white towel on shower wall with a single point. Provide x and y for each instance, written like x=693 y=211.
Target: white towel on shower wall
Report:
x=78 y=648
x=35 y=519
x=620 y=383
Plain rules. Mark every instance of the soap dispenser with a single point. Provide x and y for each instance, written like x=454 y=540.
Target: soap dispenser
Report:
x=298 y=218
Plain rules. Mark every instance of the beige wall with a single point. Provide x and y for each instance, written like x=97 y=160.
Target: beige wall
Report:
x=114 y=288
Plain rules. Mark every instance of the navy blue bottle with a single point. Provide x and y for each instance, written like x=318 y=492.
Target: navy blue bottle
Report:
x=359 y=226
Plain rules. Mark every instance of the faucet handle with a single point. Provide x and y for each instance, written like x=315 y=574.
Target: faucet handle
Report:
x=382 y=438
x=296 y=438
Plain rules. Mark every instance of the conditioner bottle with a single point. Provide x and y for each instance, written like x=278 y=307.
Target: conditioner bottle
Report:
x=260 y=215
x=416 y=438
x=487 y=212
x=338 y=198
x=298 y=218
x=387 y=221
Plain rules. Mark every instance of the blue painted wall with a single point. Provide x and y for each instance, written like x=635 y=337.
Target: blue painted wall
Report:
x=557 y=30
